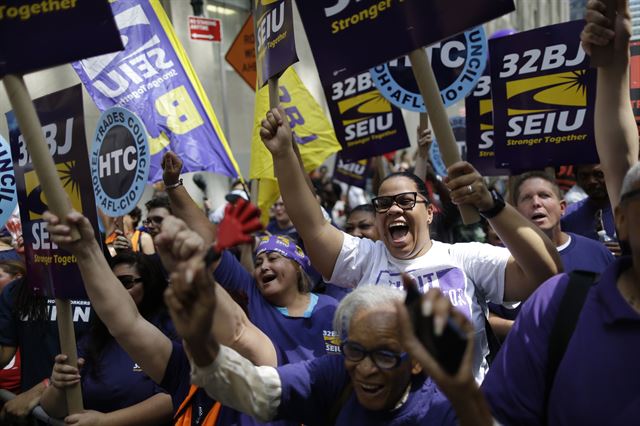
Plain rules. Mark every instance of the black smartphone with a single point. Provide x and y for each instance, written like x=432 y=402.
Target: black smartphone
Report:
x=448 y=348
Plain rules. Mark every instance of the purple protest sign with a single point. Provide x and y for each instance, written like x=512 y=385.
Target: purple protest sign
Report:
x=36 y=34
x=366 y=124
x=349 y=36
x=479 y=118
x=275 y=42
x=52 y=271
x=543 y=98
x=154 y=79
x=354 y=174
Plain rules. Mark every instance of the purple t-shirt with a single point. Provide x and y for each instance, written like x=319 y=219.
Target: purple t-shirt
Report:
x=310 y=390
x=295 y=338
x=580 y=218
x=598 y=379
x=582 y=254
x=117 y=382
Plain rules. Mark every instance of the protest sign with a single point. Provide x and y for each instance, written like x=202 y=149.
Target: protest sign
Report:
x=275 y=41
x=51 y=270
x=8 y=195
x=350 y=36
x=479 y=129
x=119 y=161
x=154 y=79
x=457 y=62
x=366 y=124
x=242 y=54
x=543 y=98
x=312 y=133
x=40 y=34
x=352 y=173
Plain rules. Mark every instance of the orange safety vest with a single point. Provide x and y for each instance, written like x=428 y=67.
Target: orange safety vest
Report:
x=184 y=414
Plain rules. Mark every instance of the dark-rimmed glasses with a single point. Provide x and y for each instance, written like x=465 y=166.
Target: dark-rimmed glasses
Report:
x=128 y=281
x=383 y=359
x=404 y=200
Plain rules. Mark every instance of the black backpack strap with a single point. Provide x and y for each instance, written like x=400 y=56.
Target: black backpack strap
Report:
x=580 y=283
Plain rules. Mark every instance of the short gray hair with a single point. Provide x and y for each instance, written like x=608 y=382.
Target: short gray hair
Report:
x=363 y=297
x=630 y=179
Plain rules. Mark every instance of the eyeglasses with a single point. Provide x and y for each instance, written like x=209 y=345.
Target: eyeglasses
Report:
x=155 y=219
x=128 y=281
x=384 y=360
x=404 y=200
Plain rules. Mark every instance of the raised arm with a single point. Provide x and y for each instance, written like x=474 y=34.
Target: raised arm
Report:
x=322 y=241
x=178 y=244
x=534 y=258
x=232 y=379
x=144 y=343
x=182 y=205
x=615 y=125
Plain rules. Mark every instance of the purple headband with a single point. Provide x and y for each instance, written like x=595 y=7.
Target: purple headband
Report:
x=286 y=247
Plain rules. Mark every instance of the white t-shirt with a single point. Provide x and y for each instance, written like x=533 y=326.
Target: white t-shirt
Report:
x=470 y=274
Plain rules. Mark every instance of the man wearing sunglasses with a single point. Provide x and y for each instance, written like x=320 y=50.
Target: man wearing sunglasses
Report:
x=158 y=208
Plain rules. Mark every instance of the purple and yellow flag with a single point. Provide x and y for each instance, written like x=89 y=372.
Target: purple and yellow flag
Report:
x=154 y=78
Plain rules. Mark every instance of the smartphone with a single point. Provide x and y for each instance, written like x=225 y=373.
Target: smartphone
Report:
x=448 y=348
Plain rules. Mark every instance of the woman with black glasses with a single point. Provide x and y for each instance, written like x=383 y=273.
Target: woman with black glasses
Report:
x=470 y=274
x=113 y=386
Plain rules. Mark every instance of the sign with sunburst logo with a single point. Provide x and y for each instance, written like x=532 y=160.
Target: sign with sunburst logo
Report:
x=543 y=98
x=366 y=123
x=52 y=271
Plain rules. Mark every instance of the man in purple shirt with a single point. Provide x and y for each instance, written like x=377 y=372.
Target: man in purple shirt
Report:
x=598 y=376
x=537 y=197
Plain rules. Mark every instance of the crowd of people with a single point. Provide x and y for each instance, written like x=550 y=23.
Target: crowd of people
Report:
x=369 y=307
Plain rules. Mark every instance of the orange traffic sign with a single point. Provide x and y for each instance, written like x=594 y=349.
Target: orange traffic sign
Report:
x=242 y=53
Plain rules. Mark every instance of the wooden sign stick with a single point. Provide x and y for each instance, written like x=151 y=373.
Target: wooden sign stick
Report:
x=440 y=121
x=58 y=203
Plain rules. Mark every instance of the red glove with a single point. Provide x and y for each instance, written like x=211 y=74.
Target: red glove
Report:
x=240 y=220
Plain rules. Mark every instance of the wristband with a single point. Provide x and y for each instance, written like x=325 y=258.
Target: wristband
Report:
x=498 y=206
x=173 y=185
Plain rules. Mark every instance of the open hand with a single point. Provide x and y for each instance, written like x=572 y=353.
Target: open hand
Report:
x=241 y=219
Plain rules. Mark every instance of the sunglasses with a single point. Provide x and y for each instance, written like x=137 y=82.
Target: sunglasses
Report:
x=128 y=281
x=404 y=200
x=383 y=359
x=155 y=219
